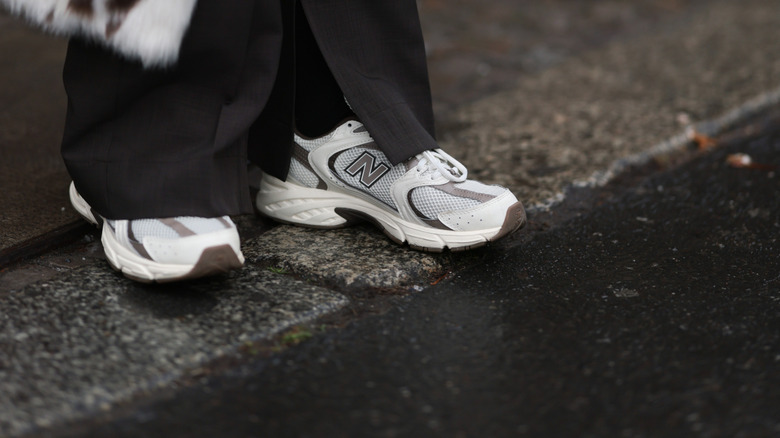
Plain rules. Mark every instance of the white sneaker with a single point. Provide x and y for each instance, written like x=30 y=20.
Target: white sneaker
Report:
x=426 y=201
x=169 y=249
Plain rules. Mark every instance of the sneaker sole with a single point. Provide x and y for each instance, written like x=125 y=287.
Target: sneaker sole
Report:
x=215 y=260
x=293 y=204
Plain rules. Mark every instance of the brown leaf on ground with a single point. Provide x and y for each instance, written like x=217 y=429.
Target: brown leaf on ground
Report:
x=704 y=142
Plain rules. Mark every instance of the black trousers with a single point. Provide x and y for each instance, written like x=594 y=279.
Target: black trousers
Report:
x=162 y=143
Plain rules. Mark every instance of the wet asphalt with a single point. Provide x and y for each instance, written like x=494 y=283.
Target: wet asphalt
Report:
x=655 y=313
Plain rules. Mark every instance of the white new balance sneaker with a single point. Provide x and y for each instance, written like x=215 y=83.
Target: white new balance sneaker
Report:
x=427 y=201
x=169 y=249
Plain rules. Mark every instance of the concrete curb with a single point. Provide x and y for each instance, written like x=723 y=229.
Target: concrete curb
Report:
x=672 y=145
x=675 y=144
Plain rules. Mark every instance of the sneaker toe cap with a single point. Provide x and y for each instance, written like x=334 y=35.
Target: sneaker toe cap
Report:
x=485 y=216
x=188 y=250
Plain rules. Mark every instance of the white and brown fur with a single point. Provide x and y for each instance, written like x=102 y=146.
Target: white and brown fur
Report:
x=150 y=31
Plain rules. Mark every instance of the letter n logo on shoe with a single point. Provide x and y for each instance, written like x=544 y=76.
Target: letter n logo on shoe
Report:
x=366 y=165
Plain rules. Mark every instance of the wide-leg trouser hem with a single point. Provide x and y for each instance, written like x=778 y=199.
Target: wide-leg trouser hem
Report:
x=173 y=143
x=161 y=143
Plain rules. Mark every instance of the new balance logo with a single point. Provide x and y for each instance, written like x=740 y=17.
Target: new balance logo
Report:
x=369 y=171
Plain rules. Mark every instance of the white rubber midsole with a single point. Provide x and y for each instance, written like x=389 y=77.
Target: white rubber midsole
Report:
x=292 y=203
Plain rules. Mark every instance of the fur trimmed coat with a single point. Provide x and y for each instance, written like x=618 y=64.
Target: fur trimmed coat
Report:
x=150 y=31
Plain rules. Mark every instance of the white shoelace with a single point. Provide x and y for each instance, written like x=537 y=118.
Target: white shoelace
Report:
x=437 y=163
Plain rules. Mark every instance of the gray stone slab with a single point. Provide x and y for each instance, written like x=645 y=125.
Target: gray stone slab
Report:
x=577 y=118
x=349 y=258
x=80 y=343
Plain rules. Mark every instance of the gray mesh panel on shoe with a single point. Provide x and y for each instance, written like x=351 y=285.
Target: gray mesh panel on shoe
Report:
x=380 y=189
x=154 y=228
x=302 y=174
x=430 y=201
x=202 y=225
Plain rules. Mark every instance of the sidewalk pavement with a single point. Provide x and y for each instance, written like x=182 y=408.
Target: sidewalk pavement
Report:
x=84 y=339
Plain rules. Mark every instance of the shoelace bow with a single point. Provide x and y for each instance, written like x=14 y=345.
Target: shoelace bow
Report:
x=437 y=162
